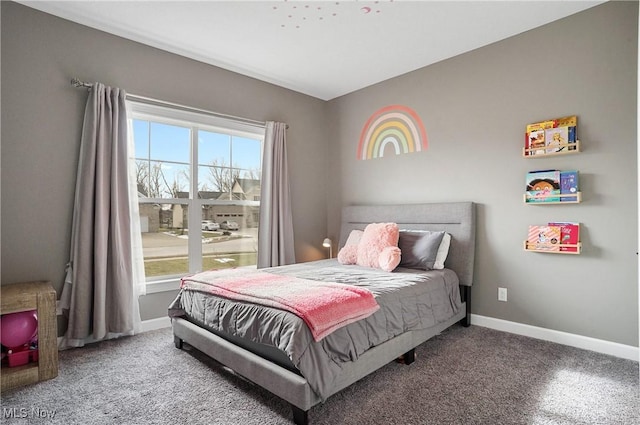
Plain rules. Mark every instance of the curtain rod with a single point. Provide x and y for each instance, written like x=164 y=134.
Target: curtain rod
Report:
x=77 y=83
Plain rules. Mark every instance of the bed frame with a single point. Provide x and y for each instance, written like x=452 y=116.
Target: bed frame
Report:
x=457 y=218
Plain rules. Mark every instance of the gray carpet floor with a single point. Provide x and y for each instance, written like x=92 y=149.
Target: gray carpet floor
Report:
x=469 y=375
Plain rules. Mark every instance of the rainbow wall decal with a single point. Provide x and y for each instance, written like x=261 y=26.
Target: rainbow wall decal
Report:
x=395 y=125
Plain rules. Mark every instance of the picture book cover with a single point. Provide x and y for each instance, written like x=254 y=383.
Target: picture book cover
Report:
x=551 y=136
x=542 y=185
x=556 y=139
x=544 y=238
x=569 y=234
x=573 y=136
x=568 y=185
x=572 y=126
x=535 y=137
x=570 y=121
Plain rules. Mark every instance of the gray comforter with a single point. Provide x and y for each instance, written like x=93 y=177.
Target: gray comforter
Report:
x=408 y=299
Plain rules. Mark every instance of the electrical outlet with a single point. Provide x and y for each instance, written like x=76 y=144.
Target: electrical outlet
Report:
x=502 y=294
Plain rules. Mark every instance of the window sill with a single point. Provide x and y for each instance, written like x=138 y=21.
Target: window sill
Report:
x=172 y=284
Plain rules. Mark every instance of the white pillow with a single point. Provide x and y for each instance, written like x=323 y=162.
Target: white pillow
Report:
x=354 y=237
x=348 y=254
x=443 y=251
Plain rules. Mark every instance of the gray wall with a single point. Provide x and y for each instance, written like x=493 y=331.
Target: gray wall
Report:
x=42 y=119
x=475 y=108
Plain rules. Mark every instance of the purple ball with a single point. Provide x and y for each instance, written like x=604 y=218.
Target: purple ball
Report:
x=17 y=329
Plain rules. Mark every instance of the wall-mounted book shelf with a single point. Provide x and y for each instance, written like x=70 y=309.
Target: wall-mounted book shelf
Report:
x=558 y=136
x=562 y=149
x=546 y=187
x=555 y=238
x=567 y=248
x=541 y=199
x=552 y=187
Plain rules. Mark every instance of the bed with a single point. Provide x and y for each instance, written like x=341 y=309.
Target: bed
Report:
x=290 y=376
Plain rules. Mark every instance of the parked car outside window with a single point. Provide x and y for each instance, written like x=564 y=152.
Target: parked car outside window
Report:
x=229 y=225
x=210 y=225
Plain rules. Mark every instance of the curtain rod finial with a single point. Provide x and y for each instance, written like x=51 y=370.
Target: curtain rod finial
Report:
x=77 y=83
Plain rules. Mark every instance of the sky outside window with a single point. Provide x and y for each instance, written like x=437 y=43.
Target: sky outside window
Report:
x=168 y=147
x=170 y=143
x=246 y=153
x=214 y=147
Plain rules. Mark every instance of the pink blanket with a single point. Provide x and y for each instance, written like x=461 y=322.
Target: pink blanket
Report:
x=324 y=306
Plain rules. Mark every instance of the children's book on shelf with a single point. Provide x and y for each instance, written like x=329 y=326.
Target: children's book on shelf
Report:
x=534 y=138
x=551 y=136
x=542 y=185
x=568 y=185
x=571 y=123
x=569 y=234
x=556 y=139
x=544 y=238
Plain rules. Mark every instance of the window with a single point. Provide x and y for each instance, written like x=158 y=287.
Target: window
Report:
x=198 y=180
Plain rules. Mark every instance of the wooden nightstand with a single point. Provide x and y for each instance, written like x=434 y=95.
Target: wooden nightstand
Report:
x=38 y=296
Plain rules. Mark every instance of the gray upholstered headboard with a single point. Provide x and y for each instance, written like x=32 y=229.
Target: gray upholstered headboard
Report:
x=456 y=218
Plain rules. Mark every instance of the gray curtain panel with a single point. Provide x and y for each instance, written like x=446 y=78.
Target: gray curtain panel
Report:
x=275 y=233
x=99 y=290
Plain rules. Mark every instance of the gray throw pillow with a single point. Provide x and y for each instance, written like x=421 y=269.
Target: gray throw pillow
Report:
x=419 y=248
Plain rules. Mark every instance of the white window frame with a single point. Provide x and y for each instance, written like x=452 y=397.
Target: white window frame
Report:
x=195 y=121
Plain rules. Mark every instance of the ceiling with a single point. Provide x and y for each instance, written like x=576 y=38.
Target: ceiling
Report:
x=322 y=49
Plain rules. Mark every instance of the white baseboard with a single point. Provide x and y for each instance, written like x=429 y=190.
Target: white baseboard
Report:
x=153 y=324
x=598 y=345
x=601 y=346
x=147 y=325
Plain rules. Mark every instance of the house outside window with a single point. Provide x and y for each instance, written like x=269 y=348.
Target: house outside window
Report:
x=193 y=172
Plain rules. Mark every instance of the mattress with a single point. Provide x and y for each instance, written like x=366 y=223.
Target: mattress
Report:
x=409 y=300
